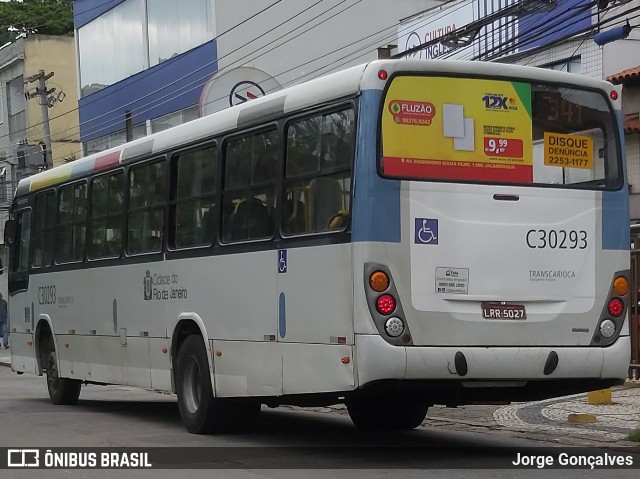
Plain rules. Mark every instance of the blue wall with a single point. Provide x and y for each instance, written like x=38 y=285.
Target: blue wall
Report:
x=170 y=86
x=569 y=17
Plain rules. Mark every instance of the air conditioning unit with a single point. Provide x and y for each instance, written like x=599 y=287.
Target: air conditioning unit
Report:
x=29 y=156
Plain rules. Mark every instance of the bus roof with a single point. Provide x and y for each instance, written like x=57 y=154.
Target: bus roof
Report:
x=314 y=92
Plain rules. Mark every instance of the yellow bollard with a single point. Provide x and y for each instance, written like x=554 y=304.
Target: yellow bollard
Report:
x=602 y=396
x=581 y=418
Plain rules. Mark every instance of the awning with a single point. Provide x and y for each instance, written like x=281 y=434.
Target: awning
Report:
x=631 y=123
x=626 y=77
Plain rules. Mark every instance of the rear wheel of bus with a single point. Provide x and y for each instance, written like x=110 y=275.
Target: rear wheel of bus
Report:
x=61 y=390
x=200 y=412
x=386 y=412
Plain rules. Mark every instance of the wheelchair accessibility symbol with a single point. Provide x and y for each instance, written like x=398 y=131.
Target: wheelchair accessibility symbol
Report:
x=426 y=231
x=282 y=261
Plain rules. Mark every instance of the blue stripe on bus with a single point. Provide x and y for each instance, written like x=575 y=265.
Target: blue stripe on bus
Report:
x=282 y=316
x=615 y=220
x=81 y=168
x=376 y=206
x=615 y=209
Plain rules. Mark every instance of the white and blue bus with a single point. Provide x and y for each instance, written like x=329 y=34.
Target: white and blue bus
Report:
x=393 y=236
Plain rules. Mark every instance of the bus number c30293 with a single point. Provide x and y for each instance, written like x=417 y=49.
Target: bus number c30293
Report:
x=557 y=239
x=47 y=295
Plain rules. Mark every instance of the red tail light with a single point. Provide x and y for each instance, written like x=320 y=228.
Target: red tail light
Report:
x=386 y=304
x=616 y=307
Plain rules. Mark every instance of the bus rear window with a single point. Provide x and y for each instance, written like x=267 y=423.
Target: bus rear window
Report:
x=497 y=131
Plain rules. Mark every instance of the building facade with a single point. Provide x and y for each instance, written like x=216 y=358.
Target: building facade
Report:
x=22 y=132
x=146 y=65
x=558 y=34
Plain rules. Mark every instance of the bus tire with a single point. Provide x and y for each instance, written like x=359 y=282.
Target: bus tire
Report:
x=196 y=403
x=61 y=390
x=201 y=413
x=386 y=413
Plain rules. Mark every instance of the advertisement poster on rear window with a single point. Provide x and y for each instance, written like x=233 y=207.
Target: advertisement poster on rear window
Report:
x=458 y=129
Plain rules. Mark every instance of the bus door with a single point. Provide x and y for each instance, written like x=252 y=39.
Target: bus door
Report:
x=21 y=321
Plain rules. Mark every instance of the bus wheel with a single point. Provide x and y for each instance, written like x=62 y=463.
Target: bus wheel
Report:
x=377 y=412
x=195 y=396
x=200 y=412
x=61 y=390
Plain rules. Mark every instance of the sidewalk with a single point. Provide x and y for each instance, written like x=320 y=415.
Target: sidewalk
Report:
x=546 y=420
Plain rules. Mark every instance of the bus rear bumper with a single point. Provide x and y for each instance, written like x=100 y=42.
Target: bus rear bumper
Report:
x=518 y=369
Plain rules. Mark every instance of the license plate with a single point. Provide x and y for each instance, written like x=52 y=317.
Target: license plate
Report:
x=503 y=311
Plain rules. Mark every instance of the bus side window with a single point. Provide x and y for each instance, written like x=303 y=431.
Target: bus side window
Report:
x=250 y=220
x=106 y=216
x=251 y=169
x=318 y=162
x=22 y=242
x=325 y=202
x=71 y=229
x=38 y=241
x=147 y=200
x=193 y=198
x=294 y=213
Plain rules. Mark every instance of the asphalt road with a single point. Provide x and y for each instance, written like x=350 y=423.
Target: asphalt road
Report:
x=284 y=442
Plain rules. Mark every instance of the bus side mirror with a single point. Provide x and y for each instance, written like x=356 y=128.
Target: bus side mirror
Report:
x=9 y=232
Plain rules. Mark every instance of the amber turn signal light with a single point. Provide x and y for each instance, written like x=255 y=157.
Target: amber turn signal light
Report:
x=621 y=285
x=379 y=281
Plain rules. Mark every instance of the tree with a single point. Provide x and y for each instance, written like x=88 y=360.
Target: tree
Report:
x=47 y=17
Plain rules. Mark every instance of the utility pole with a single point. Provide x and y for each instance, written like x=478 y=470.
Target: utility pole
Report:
x=44 y=101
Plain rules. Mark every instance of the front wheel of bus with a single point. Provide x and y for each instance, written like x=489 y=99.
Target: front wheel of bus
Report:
x=61 y=390
x=386 y=413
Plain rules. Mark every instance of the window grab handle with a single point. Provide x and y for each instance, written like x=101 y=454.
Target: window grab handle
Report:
x=506 y=197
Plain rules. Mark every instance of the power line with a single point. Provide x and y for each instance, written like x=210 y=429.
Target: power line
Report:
x=150 y=71
x=209 y=64
x=172 y=95
x=528 y=36
x=324 y=66
x=155 y=70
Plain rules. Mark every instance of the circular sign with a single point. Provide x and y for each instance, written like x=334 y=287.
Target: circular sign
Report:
x=235 y=87
x=244 y=91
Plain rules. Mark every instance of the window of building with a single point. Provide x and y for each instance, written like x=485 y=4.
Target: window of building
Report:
x=318 y=173
x=121 y=28
x=571 y=65
x=172 y=27
x=113 y=139
x=71 y=226
x=193 y=199
x=176 y=26
x=174 y=119
x=43 y=229
x=251 y=169
x=147 y=199
x=106 y=217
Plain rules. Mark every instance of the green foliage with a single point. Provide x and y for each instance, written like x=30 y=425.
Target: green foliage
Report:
x=634 y=436
x=46 y=17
